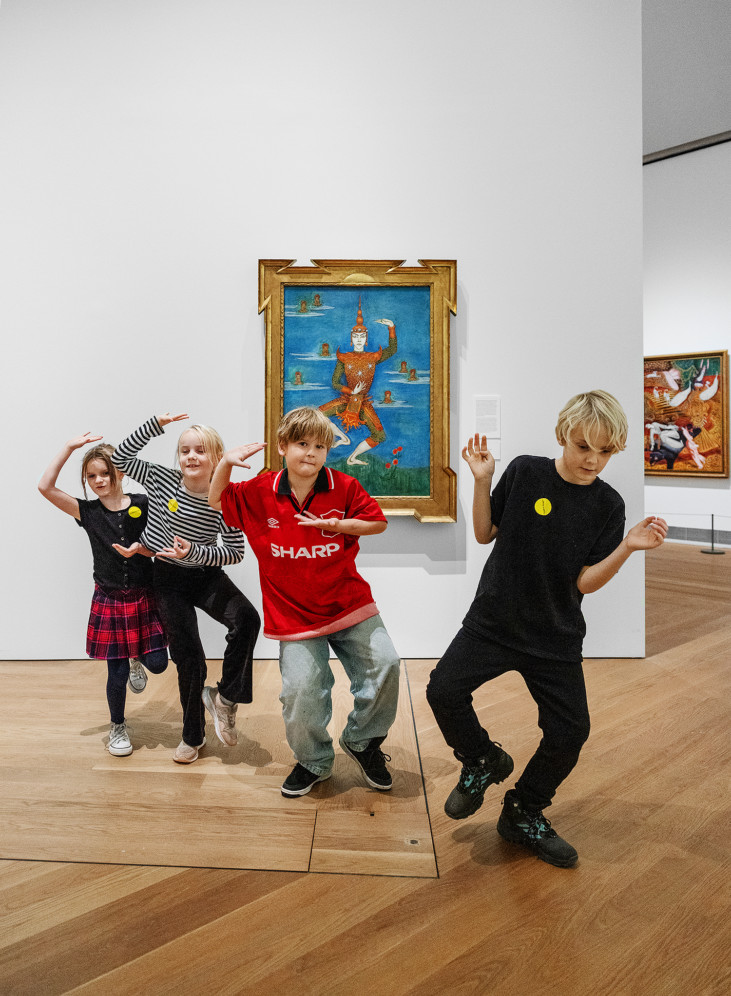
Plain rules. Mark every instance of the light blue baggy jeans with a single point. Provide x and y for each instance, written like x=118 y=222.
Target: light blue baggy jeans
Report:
x=372 y=665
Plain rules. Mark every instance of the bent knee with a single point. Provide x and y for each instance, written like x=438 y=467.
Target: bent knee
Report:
x=439 y=688
x=569 y=740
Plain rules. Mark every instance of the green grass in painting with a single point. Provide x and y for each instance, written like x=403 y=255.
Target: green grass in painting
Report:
x=386 y=482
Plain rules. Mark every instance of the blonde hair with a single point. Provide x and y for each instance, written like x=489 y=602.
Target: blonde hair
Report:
x=103 y=452
x=594 y=412
x=303 y=422
x=212 y=443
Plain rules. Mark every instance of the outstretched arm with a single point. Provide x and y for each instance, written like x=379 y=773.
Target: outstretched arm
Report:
x=47 y=484
x=646 y=535
x=352 y=527
x=236 y=457
x=482 y=464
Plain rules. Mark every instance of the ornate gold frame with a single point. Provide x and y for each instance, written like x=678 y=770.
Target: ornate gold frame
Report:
x=661 y=408
x=440 y=276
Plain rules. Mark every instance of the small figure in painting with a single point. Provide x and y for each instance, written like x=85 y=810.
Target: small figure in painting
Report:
x=298 y=382
x=316 y=302
x=667 y=442
x=404 y=367
x=412 y=374
x=354 y=406
x=325 y=349
x=387 y=399
x=303 y=307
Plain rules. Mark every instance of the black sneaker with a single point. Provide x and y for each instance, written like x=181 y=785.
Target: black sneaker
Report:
x=299 y=781
x=467 y=795
x=530 y=828
x=372 y=763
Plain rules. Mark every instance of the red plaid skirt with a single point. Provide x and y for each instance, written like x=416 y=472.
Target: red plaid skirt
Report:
x=123 y=624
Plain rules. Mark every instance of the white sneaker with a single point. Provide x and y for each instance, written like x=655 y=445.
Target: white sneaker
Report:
x=137 y=675
x=119 y=742
x=185 y=754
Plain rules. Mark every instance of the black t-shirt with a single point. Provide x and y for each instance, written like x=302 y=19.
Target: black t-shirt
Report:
x=548 y=530
x=103 y=527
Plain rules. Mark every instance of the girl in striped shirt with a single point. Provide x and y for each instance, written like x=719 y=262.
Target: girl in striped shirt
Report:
x=183 y=532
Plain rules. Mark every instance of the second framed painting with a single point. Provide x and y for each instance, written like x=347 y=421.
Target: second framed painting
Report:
x=686 y=415
x=367 y=342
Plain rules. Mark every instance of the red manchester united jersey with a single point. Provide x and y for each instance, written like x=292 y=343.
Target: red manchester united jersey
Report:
x=308 y=576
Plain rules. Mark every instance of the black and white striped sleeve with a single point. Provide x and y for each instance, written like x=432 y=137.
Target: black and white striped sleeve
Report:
x=230 y=551
x=124 y=454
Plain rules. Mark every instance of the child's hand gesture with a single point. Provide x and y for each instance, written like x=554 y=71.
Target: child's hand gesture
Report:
x=179 y=549
x=84 y=440
x=238 y=456
x=478 y=456
x=168 y=417
x=130 y=551
x=308 y=519
x=648 y=534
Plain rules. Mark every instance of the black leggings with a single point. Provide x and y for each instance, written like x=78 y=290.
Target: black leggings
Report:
x=117 y=674
x=179 y=591
x=557 y=688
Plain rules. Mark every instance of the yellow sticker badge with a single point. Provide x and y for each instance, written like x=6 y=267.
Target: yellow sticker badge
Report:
x=134 y=511
x=173 y=505
x=542 y=506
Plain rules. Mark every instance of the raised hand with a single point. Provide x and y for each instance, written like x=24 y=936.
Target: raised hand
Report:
x=478 y=456
x=648 y=534
x=359 y=387
x=308 y=519
x=83 y=440
x=179 y=549
x=168 y=417
x=385 y=321
x=238 y=456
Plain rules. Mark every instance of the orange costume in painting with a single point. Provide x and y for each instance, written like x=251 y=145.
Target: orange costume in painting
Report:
x=354 y=407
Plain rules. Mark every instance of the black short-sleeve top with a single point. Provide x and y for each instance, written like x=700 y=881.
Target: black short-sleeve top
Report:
x=104 y=527
x=548 y=530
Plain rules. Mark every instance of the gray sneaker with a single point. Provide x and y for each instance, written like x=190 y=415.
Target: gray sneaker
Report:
x=119 y=742
x=224 y=716
x=137 y=681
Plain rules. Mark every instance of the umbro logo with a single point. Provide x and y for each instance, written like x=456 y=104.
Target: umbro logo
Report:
x=273 y=523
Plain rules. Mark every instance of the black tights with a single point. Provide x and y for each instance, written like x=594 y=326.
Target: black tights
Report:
x=118 y=672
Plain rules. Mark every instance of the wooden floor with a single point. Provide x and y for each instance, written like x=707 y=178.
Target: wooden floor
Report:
x=646 y=911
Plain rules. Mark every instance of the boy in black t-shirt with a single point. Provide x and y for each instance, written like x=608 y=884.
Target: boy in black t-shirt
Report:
x=559 y=536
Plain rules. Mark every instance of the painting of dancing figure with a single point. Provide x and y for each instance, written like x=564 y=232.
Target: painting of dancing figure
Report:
x=364 y=350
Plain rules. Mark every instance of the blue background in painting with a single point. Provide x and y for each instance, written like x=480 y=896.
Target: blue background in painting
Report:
x=406 y=421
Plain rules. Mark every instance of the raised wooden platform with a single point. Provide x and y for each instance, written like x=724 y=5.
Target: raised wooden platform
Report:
x=67 y=799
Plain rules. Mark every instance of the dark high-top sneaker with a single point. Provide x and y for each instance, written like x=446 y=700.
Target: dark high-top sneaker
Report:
x=530 y=828
x=467 y=795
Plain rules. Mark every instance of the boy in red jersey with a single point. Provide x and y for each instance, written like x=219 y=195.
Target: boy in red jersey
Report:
x=303 y=524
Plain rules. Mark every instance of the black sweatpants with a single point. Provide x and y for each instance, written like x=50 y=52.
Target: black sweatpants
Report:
x=557 y=688
x=179 y=591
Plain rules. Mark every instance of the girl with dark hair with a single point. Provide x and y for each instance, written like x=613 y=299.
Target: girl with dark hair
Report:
x=124 y=627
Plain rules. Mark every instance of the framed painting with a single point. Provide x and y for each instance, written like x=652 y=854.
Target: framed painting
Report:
x=686 y=415
x=367 y=342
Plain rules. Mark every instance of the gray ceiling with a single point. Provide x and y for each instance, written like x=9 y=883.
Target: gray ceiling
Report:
x=686 y=62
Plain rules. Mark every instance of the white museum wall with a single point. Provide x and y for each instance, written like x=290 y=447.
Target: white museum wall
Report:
x=687 y=309
x=153 y=152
